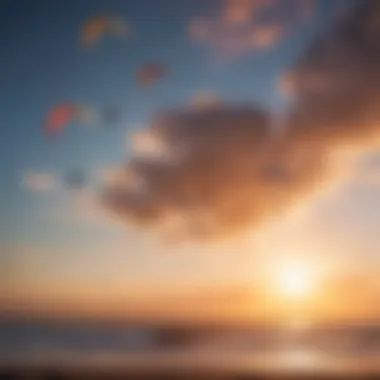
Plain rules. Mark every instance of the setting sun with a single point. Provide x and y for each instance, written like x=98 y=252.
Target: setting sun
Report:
x=295 y=279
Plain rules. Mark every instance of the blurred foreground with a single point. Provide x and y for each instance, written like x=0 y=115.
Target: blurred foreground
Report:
x=79 y=350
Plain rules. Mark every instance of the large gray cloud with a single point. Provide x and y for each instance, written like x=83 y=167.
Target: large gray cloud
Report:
x=222 y=169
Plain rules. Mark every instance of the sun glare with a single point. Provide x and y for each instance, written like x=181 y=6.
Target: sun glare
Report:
x=295 y=279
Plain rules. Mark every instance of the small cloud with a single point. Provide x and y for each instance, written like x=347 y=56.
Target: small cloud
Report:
x=40 y=181
x=244 y=26
x=148 y=144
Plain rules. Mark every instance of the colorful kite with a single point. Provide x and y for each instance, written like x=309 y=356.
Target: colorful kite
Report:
x=151 y=72
x=94 y=29
x=59 y=117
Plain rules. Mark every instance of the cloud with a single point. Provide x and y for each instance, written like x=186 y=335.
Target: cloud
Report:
x=243 y=26
x=227 y=171
x=335 y=85
x=145 y=143
x=40 y=181
x=224 y=174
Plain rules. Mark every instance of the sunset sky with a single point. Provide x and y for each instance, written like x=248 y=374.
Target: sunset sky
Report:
x=61 y=250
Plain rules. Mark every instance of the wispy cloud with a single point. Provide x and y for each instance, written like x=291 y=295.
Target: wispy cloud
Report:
x=244 y=26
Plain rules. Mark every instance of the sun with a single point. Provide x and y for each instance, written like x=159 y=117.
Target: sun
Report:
x=295 y=279
x=295 y=285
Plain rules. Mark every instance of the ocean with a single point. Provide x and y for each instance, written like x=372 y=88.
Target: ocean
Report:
x=61 y=345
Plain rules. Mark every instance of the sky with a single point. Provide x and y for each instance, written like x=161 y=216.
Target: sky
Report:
x=58 y=244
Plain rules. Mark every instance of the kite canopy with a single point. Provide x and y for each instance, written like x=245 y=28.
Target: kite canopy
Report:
x=151 y=72
x=59 y=117
x=95 y=28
